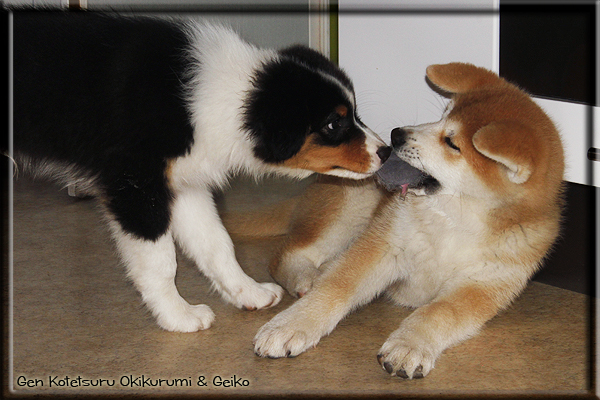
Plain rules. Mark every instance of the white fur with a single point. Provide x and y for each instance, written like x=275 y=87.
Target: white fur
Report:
x=65 y=174
x=199 y=231
x=436 y=245
x=152 y=267
x=304 y=264
x=221 y=77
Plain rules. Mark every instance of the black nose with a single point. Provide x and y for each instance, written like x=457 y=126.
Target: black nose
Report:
x=384 y=152
x=398 y=137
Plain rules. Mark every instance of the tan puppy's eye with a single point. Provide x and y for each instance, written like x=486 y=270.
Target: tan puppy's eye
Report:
x=451 y=144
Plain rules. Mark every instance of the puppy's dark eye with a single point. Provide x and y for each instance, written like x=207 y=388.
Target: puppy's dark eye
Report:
x=333 y=125
x=450 y=144
x=335 y=129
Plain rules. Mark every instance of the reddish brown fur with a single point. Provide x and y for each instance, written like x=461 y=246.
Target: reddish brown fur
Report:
x=454 y=78
x=465 y=307
x=530 y=138
x=260 y=222
x=321 y=201
x=342 y=110
x=352 y=156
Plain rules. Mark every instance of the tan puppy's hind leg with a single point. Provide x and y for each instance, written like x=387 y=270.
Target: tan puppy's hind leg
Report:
x=331 y=214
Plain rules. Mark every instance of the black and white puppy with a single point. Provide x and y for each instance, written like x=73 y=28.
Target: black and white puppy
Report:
x=149 y=115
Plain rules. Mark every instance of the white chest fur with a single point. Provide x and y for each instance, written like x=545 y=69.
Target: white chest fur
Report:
x=437 y=239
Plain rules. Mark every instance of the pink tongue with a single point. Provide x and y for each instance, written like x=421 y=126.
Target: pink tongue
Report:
x=404 y=189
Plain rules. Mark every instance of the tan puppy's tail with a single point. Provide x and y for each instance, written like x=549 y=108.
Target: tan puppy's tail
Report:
x=271 y=220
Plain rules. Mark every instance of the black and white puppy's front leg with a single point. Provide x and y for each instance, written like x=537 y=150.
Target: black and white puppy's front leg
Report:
x=197 y=227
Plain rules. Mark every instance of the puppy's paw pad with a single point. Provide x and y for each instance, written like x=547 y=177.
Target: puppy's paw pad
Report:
x=187 y=318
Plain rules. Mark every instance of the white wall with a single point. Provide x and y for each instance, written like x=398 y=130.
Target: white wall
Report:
x=386 y=50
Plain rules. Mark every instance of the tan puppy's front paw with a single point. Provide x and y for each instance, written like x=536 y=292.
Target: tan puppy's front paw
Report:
x=285 y=336
x=408 y=361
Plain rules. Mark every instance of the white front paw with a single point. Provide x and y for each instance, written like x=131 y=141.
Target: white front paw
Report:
x=399 y=357
x=256 y=296
x=186 y=318
x=285 y=336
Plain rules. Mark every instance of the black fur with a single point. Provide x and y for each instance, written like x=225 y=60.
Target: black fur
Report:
x=81 y=97
x=107 y=102
x=317 y=60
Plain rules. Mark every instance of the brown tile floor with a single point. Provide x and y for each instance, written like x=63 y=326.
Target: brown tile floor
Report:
x=75 y=315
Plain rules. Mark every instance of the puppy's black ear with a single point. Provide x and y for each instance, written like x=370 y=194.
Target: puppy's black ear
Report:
x=289 y=100
x=277 y=111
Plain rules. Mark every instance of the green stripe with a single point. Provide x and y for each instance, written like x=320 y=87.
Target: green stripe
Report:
x=333 y=32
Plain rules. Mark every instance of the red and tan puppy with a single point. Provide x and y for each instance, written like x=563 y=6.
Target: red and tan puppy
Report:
x=458 y=247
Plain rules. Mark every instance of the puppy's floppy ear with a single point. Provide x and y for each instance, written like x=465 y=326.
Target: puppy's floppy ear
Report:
x=277 y=113
x=511 y=144
x=461 y=77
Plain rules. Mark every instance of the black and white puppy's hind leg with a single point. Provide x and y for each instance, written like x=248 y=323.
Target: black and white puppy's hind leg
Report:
x=152 y=265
